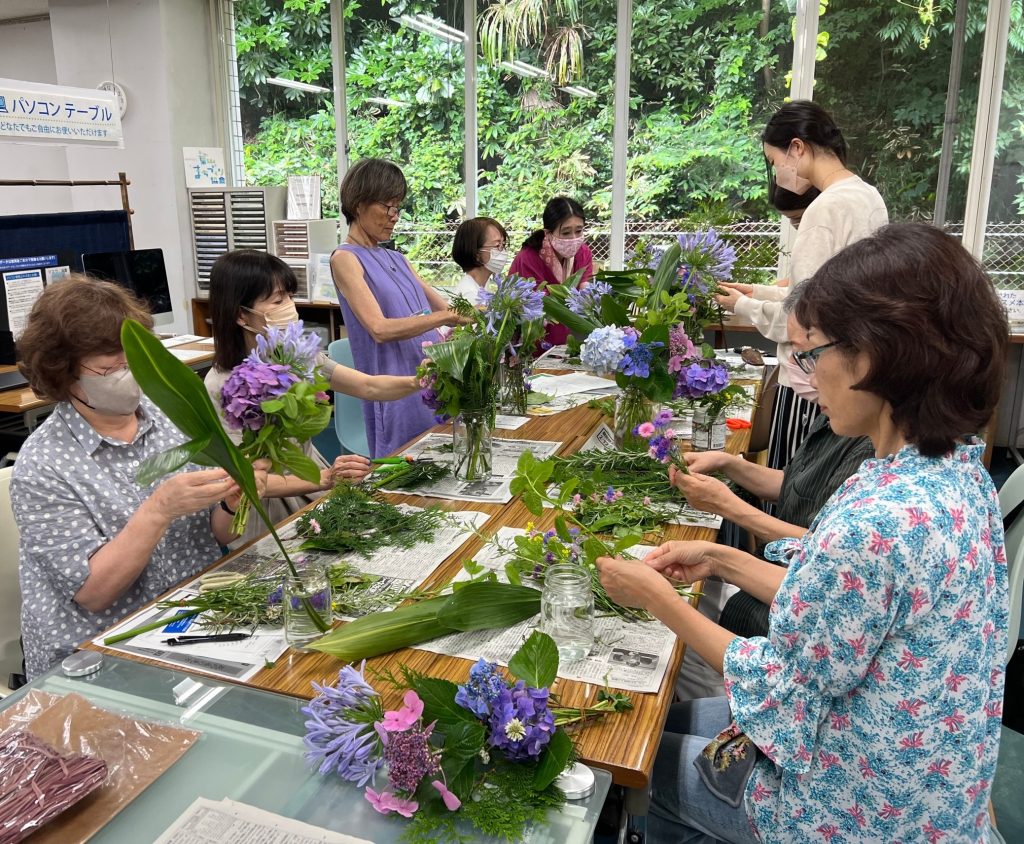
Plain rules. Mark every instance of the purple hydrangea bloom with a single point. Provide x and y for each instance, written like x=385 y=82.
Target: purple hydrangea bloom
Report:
x=521 y=722
x=587 y=302
x=513 y=297
x=339 y=735
x=484 y=686
x=250 y=384
x=699 y=380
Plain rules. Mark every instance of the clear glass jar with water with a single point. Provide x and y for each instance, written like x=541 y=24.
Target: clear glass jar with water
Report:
x=567 y=611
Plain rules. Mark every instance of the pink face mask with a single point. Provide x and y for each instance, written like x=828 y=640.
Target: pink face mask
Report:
x=800 y=381
x=567 y=247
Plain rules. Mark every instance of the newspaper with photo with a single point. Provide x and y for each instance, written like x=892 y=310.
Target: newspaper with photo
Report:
x=627 y=655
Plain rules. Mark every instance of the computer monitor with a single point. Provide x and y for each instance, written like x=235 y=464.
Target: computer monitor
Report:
x=142 y=271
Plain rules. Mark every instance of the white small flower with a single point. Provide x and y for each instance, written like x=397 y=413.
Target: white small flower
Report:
x=515 y=730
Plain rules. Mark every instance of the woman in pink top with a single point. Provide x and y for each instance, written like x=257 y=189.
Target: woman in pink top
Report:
x=554 y=253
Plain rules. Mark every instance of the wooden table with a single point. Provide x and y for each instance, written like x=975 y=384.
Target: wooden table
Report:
x=623 y=744
x=21 y=401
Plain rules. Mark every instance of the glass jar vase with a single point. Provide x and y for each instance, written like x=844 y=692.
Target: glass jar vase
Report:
x=632 y=408
x=567 y=610
x=471 y=444
x=708 y=430
x=512 y=386
x=305 y=592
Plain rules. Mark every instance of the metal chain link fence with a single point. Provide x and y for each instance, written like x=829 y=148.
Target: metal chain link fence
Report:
x=756 y=243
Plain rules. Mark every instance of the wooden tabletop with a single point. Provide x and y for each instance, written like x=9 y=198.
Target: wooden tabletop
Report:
x=21 y=399
x=623 y=744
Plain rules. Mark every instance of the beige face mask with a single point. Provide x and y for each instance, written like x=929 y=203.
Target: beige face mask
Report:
x=280 y=317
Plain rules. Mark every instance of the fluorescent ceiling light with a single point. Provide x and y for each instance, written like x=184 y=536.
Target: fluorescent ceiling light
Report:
x=523 y=69
x=298 y=86
x=432 y=26
x=387 y=101
x=578 y=91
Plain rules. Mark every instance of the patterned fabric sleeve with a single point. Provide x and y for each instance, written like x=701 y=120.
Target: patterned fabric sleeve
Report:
x=829 y=619
x=57 y=531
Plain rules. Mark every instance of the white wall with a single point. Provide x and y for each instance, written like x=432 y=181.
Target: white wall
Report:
x=26 y=53
x=159 y=51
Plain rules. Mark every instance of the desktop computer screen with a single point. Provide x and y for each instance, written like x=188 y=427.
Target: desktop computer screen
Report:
x=142 y=271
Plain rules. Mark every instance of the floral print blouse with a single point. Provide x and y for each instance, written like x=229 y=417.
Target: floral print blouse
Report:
x=877 y=695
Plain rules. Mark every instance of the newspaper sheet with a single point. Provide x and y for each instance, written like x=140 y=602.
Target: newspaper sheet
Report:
x=230 y=822
x=627 y=655
x=505 y=455
x=603 y=439
x=397 y=569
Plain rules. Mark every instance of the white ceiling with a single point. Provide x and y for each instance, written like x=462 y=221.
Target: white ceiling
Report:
x=23 y=8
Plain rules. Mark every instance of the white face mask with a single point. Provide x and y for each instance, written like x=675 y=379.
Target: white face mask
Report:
x=786 y=176
x=115 y=394
x=800 y=381
x=497 y=262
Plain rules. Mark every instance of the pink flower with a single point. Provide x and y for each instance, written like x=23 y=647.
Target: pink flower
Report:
x=401 y=720
x=315 y=525
x=385 y=802
x=645 y=430
x=451 y=801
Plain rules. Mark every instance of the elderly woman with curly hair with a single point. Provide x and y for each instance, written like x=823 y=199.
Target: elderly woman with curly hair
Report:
x=96 y=545
x=871 y=711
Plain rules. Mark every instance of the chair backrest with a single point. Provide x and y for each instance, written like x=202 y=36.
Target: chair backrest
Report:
x=10 y=593
x=761 y=419
x=349 y=423
x=1011 y=495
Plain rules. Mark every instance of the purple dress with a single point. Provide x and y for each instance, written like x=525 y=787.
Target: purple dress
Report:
x=389 y=424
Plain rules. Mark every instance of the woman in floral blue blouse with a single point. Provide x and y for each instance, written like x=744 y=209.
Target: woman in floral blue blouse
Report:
x=871 y=711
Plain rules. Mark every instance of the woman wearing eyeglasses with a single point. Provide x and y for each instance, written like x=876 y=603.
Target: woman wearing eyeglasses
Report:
x=804 y=149
x=94 y=544
x=871 y=711
x=389 y=311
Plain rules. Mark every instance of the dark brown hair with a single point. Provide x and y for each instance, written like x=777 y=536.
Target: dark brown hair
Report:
x=72 y=320
x=370 y=180
x=931 y=324
x=469 y=240
x=238 y=280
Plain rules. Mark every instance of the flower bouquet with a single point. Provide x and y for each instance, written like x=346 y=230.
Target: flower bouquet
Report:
x=462 y=373
x=278 y=399
x=486 y=753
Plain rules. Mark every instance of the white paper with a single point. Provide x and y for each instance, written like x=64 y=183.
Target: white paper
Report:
x=557 y=358
x=627 y=655
x=505 y=455
x=21 y=289
x=187 y=355
x=204 y=167
x=231 y=822
x=510 y=423
x=181 y=339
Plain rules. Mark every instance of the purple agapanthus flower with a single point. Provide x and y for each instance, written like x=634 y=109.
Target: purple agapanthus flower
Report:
x=484 y=686
x=512 y=297
x=250 y=384
x=587 y=302
x=701 y=379
x=521 y=722
x=339 y=733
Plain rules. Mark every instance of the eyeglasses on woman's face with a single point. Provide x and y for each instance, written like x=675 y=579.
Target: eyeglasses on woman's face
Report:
x=808 y=360
x=392 y=210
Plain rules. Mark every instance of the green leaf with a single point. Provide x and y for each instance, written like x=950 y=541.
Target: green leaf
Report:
x=553 y=760
x=169 y=461
x=536 y=661
x=439 y=704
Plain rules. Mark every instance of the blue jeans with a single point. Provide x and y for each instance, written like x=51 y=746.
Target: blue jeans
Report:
x=683 y=811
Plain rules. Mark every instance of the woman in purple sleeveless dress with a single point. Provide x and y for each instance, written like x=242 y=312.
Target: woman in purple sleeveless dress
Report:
x=388 y=311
